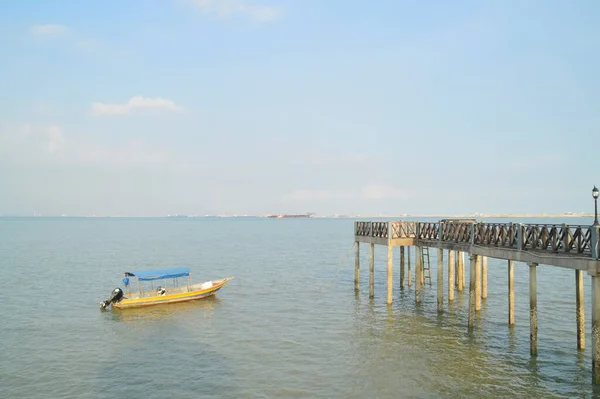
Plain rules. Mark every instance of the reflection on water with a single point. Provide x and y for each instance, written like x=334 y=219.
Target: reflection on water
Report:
x=165 y=312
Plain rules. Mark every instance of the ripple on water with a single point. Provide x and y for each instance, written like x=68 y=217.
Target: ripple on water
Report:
x=289 y=326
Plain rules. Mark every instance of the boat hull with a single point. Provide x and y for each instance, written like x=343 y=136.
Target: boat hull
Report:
x=193 y=295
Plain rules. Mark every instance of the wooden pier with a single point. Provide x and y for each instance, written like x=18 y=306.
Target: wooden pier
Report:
x=571 y=247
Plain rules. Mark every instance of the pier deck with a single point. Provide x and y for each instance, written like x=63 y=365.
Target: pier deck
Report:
x=568 y=246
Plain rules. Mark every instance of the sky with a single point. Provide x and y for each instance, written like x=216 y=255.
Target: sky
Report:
x=156 y=107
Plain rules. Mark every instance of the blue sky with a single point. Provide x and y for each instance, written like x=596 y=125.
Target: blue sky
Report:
x=147 y=108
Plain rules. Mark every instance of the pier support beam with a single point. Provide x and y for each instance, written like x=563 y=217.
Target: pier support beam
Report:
x=418 y=271
x=409 y=280
x=440 y=280
x=356 y=265
x=402 y=267
x=533 y=320
x=580 y=313
x=390 y=270
x=484 y=276
x=511 y=292
x=450 y=276
x=478 y=283
x=472 y=281
x=372 y=271
x=596 y=330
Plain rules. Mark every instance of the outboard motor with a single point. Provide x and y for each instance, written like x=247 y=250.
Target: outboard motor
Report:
x=115 y=297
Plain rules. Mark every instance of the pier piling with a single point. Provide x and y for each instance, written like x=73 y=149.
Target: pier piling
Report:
x=472 y=296
x=478 y=283
x=579 y=302
x=460 y=258
x=440 y=280
x=511 y=292
x=356 y=265
x=402 y=261
x=418 y=271
x=390 y=269
x=595 y=329
x=462 y=266
x=484 y=276
x=451 y=276
x=372 y=271
x=422 y=264
x=409 y=272
x=533 y=320
x=457 y=272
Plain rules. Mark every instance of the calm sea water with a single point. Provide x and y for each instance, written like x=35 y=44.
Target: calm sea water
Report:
x=289 y=325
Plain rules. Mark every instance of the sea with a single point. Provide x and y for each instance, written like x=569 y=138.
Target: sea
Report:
x=290 y=325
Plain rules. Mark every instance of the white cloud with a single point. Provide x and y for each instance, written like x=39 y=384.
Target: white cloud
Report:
x=55 y=138
x=133 y=154
x=51 y=137
x=229 y=8
x=72 y=39
x=49 y=30
x=47 y=145
x=136 y=102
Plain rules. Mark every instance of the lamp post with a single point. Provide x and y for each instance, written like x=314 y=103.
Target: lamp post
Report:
x=595 y=193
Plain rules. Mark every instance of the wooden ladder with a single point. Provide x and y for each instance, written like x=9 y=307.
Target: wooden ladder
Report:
x=426 y=262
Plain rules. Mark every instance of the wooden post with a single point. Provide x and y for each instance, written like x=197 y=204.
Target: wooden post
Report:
x=402 y=267
x=418 y=272
x=450 y=276
x=511 y=292
x=580 y=312
x=460 y=258
x=472 y=280
x=422 y=266
x=457 y=268
x=456 y=276
x=372 y=271
x=595 y=310
x=409 y=281
x=390 y=270
x=478 y=283
x=596 y=330
x=356 y=265
x=462 y=266
x=533 y=322
x=440 y=280
x=484 y=276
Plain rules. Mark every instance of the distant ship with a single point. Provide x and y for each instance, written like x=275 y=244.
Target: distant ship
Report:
x=287 y=216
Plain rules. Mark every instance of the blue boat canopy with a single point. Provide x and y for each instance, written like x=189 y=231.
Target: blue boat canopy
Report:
x=160 y=274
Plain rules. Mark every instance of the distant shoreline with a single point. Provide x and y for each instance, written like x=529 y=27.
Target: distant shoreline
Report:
x=483 y=216
x=379 y=216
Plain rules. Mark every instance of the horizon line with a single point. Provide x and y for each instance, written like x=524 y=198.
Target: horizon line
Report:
x=314 y=216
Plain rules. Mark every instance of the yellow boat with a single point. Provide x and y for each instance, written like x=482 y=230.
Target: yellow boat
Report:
x=162 y=294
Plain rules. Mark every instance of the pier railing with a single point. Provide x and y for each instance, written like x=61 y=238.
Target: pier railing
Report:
x=404 y=229
x=386 y=229
x=371 y=229
x=456 y=231
x=563 y=238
